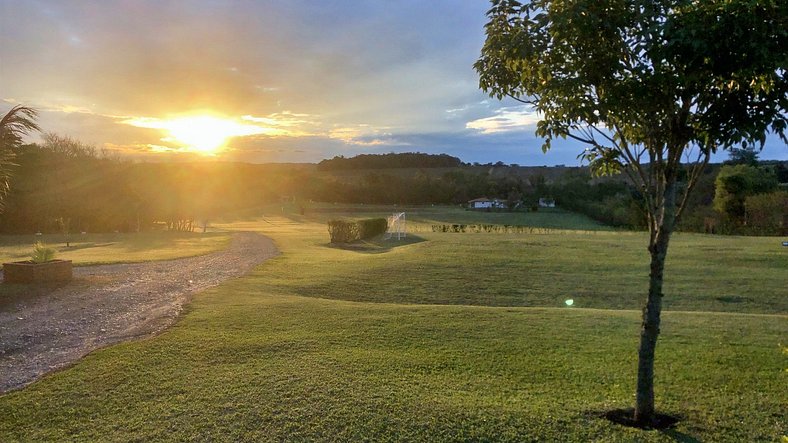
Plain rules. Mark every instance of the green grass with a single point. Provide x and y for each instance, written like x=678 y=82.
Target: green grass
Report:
x=245 y=366
x=421 y=218
x=276 y=356
x=549 y=218
x=606 y=270
x=89 y=249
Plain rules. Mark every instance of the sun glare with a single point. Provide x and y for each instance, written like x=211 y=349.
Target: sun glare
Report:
x=205 y=134
x=201 y=133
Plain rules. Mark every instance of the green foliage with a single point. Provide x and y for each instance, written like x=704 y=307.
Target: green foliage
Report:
x=663 y=73
x=392 y=160
x=767 y=214
x=68 y=179
x=343 y=231
x=16 y=123
x=614 y=203
x=370 y=227
x=347 y=231
x=743 y=156
x=641 y=84
x=644 y=85
x=487 y=228
x=735 y=183
x=42 y=253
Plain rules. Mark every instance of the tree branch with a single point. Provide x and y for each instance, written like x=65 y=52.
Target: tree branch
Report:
x=695 y=174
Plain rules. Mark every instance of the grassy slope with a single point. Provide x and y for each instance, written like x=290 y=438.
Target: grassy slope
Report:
x=421 y=218
x=116 y=248
x=252 y=360
x=595 y=269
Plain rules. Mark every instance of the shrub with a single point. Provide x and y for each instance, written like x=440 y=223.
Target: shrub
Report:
x=41 y=253
x=370 y=227
x=346 y=231
x=767 y=213
x=342 y=231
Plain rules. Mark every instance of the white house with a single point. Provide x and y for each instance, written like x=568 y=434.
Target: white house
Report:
x=546 y=203
x=486 y=203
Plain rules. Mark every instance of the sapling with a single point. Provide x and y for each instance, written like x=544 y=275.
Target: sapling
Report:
x=42 y=253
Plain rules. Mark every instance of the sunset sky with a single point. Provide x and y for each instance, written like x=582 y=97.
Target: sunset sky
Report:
x=290 y=81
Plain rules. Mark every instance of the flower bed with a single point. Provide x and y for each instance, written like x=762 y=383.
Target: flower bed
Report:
x=30 y=272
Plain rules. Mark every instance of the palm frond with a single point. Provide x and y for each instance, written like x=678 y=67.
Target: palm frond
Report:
x=18 y=122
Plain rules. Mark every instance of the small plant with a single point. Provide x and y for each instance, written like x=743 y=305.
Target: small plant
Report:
x=64 y=224
x=42 y=253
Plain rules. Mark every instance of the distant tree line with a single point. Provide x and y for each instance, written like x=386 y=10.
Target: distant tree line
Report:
x=388 y=161
x=62 y=184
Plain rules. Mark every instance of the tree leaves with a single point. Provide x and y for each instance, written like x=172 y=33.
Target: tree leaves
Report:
x=666 y=72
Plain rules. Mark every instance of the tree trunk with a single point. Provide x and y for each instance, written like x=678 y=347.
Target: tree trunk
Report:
x=658 y=248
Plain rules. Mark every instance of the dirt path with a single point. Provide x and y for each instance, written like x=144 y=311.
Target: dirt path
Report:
x=52 y=327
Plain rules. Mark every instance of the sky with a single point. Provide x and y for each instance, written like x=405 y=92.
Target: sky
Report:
x=267 y=81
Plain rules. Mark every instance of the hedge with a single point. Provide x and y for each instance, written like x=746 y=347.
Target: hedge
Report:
x=346 y=231
x=370 y=227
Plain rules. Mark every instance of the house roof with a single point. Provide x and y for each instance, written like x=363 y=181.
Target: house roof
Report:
x=480 y=199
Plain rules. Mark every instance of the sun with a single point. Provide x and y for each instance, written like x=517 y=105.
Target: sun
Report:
x=202 y=134
x=206 y=134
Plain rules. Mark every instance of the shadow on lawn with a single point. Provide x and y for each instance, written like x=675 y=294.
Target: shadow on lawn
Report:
x=77 y=246
x=680 y=436
x=377 y=245
x=663 y=423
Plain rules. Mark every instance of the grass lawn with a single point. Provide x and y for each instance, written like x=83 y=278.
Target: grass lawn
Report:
x=421 y=218
x=92 y=249
x=382 y=343
x=606 y=270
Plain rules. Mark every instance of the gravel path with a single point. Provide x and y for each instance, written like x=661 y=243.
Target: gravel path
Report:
x=52 y=327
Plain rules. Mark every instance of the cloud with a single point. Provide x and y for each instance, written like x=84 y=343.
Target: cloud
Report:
x=324 y=78
x=505 y=120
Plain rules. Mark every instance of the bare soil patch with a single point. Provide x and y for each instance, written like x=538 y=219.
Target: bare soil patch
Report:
x=48 y=326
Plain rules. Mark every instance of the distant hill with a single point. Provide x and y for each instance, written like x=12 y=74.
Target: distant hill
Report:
x=389 y=161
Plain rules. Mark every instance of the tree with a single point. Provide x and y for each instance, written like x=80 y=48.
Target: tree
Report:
x=18 y=122
x=652 y=89
x=746 y=155
x=767 y=214
x=735 y=183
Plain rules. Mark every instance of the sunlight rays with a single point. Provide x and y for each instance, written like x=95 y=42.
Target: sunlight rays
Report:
x=203 y=134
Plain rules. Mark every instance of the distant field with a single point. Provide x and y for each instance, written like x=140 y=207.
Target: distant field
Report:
x=115 y=248
x=377 y=342
x=551 y=218
x=597 y=269
x=421 y=218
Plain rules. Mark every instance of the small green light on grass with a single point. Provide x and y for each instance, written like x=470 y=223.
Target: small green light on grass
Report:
x=569 y=302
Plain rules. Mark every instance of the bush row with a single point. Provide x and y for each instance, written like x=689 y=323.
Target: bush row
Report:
x=346 y=231
x=497 y=229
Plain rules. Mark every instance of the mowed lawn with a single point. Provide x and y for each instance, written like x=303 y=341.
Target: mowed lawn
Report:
x=596 y=269
x=417 y=342
x=91 y=249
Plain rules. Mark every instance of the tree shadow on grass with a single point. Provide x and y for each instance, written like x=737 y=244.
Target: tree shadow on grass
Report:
x=680 y=436
x=77 y=246
x=663 y=423
x=377 y=245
